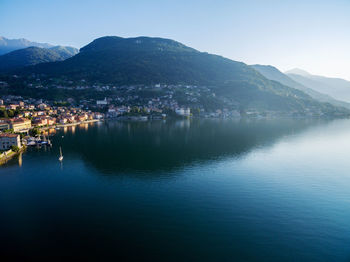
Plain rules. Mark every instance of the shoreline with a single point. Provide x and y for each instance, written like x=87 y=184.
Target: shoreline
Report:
x=79 y=123
x=70 y=124
x=9 y=156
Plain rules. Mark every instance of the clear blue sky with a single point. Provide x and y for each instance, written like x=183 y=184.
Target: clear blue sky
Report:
x=312 y=35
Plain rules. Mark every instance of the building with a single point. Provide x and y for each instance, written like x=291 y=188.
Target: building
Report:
x=63 y=120
x=183 y=112
x=102 y=102
x=42 y=106
x=43 y=121
x=98 y=115
x=21 y=124
x=39 y=121
x=8 y=140
x=12 y=107
x=4 y=125
x=80 y=118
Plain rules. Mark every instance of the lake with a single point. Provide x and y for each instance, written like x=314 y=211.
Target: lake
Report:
x=186 y=190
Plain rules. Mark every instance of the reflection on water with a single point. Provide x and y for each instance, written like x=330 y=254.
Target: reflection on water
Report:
x=20 y=159
x=115 y=147
x=193 y=190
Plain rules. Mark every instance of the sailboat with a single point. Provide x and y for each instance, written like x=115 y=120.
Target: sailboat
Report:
x=61 y=156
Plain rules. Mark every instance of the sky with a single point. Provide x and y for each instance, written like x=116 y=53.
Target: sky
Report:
x=311 y=35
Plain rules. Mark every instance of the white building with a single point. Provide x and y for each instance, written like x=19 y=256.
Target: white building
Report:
x=183 y=111
x=102 y=102
x=8 y=140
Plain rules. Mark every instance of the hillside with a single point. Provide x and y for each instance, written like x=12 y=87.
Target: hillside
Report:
x=32 y=56
x=65 y=51
x=335 y=87
x=273 y=73
x=148 y=61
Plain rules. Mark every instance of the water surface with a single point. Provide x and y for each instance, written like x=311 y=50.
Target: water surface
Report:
x=196 y=190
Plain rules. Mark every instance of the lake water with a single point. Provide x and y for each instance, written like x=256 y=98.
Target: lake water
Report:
x=197 y=190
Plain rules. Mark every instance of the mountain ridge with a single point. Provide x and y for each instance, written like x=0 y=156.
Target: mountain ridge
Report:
x=32 y=56
x=8 y=45
x=151 y=60
x=337 y=88
x=273 y=73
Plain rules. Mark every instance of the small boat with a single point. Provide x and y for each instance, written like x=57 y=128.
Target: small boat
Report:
x=61 y=156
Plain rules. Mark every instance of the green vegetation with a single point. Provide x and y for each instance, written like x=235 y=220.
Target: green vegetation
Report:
x=9 y=131
x=32 y=56
x=61 y=103
x=15 y=148
x=148 y=61
x=8 y=113
x=34 y=131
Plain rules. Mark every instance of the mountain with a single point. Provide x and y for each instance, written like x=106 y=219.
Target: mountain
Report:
x=273 y=73
x=8 y=45
x=32 y=56
x=335 y=87
x=298 y=71
x=65 y=51
x=146 y=61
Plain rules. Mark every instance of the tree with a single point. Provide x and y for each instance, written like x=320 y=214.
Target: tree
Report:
x=3 y=113
x=14 y=148
x=35 y=132
x=11 y=131
x=11 y=113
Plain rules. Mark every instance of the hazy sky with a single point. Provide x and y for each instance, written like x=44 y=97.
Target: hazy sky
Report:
x=312 y=35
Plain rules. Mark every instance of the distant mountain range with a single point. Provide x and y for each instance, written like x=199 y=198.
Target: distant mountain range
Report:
x=8 y=45
x=298 y=71
x=147 y=61
x=34 y=55
x=335 y=87
x=16 y=53
x=273 y=73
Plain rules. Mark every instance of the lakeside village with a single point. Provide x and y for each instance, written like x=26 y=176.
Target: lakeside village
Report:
x=22 y=121
x=144 y=101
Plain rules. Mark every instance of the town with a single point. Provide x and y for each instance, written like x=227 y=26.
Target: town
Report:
x=22 y=119
x=149 y=100
x=23 y=116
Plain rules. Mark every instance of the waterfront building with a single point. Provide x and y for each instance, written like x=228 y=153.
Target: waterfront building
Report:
x=98 y=115
x=44 y=120
x=8 y=140
x=63 y=120
x=20 y=124
x=183 y=111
